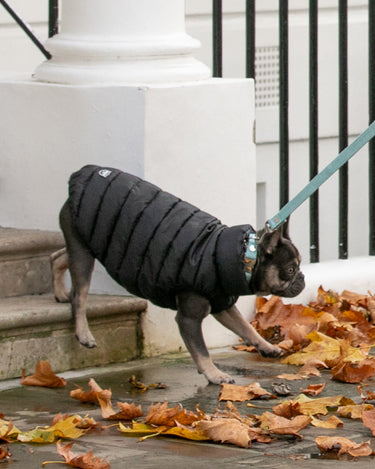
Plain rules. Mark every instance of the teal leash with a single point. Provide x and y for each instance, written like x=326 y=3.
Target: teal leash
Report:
x=273 y=223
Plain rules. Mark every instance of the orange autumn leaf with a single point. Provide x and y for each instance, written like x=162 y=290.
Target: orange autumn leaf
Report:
x=43 y=376
x=82 y=461
x=366 y=395
x=126 y=412
x=93 y=395
x=283 y=426
x=353 y=411
x=368 y=419
x=330 y=423
x=353 y=372
x=304 y=405
x=225 y=431
x=314 y=389
x=341 y=445
x=162 y=415
x=4 y=453
x=237 y=393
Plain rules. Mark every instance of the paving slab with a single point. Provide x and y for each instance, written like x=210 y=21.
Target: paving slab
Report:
x=31 y=406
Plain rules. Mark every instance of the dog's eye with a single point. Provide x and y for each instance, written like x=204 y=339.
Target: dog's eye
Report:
x=291 y=270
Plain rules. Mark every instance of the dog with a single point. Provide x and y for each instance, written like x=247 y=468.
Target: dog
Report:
x=170 y=252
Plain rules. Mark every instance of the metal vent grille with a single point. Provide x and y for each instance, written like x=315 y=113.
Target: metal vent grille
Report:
x=267 y=76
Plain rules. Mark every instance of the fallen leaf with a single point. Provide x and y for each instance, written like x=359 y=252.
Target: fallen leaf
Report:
x=161 y=415
x=314 y=389
x=237 y=393
x=225 y=431
x=62 y=429
x=353 y=411
x=341 y=445
x=43 y=376
x=368 y=419
x=322 y=346
x=126 y=412
x=82 y=461
x=283 y=426
x=366 y=395
x=330 y=423
x=303 y=405
x=4 y=453
x=8 y=431
x=353 y=372
x=93 y=395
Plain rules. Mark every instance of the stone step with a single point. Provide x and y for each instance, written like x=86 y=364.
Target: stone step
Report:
x=35 y=327
x=24 y=261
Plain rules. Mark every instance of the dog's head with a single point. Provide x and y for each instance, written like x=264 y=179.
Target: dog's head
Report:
x=277 y=270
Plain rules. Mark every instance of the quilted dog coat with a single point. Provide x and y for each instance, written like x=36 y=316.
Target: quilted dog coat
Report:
x=154 y=244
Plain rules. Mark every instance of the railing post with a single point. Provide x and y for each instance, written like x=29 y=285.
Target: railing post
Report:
x=217 y=38
x=53 y=17
x=250 y=38
x=343 y=127
x=284 y=102
x=313 y=142
x=371 y=104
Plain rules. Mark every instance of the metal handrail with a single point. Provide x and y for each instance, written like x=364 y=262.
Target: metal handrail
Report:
x=52 y=24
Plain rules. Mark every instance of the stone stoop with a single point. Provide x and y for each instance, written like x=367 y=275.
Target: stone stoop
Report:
x=33 y=326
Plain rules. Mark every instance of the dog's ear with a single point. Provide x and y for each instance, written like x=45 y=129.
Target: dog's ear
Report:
x=271 y=240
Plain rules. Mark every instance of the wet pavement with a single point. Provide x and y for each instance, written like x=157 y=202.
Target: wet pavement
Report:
x=31 y=406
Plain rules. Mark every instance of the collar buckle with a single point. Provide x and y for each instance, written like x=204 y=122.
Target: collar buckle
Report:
x=251 y=255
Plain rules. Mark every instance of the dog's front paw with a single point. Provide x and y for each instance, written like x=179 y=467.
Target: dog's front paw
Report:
x=218 y=377
x=87 y=340
x=272 y=351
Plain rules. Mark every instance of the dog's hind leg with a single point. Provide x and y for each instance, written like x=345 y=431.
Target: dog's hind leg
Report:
x=192 y=309
x=81 y=264
x=233 y=320
x=59 y=265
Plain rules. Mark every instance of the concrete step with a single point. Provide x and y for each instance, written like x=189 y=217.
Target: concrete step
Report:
x=35 y=327
x=24 y=261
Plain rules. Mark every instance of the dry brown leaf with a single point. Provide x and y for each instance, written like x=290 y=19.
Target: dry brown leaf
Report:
x=353 y=372
x=238 y=393
x=126 y=412
x=353 y=411
x=330 y=423
x=366 y=395
x=4 y=453
x=283 y=426
x=82 y=461
x=43 y=376
x=368 y=419
x=93 y=395
x=341 y=445
x=161 y=415
x=304 y=405
x=314 y=389
x=225 y=431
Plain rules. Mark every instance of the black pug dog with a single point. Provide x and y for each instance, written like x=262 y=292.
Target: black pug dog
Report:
x=165 y=250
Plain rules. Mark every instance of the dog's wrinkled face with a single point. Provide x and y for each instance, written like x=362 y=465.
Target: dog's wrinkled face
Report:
x=278 y=265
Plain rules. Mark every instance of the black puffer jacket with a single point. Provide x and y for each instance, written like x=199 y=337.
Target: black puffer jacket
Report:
x=154 y=244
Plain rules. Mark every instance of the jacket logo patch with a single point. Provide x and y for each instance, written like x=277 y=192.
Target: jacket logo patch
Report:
x=104 y=173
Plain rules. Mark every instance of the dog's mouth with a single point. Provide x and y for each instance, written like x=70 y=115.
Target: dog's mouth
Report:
x=295 y=287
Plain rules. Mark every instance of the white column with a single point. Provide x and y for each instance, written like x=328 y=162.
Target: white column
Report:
x=121 y=41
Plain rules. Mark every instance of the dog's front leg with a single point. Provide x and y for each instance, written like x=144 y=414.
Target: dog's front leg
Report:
x=234 y=321
x=192 y=309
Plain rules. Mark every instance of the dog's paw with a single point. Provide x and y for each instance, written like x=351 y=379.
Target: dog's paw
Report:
x=87 y=340
x=218 y=377
x=273 y=351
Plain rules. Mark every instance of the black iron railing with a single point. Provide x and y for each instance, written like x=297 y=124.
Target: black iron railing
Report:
x=313 y=108
x=53 y=15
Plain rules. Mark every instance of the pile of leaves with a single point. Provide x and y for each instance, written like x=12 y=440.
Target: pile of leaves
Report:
x=337 y=329
x=333 y=333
